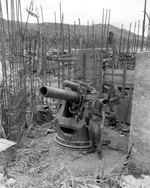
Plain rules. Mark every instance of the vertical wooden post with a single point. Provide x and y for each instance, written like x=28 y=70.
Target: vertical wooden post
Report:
x=69 y=70
x=143 y=28
x=102 y=32
x=93 y=36
x=69 y=43
x=74 y=32
x=100 y=74
x=134 y=38
x=123 y=81
x=105 y=27
x=58 y=73
x=87 y=46
x=113 y=67
x=63 y=72
x=84 y=66
x=128 y=43
x=94 y=69
x=120 y=44
x=55 y=24
x=137 y=44
x=108 y=27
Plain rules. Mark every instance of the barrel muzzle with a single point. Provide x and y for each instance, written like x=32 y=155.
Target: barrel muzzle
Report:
x=56 y=93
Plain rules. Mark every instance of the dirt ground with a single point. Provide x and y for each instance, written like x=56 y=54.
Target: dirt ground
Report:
x=43 y=163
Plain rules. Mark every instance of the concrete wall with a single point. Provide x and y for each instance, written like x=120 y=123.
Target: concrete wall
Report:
x=140 y=116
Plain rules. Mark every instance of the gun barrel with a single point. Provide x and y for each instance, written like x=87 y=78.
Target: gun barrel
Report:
x=56 y=93
x=71 y=85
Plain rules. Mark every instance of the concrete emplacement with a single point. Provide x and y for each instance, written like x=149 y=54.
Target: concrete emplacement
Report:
x=140 y=115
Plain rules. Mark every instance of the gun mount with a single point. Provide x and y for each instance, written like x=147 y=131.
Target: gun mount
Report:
x=71 y=125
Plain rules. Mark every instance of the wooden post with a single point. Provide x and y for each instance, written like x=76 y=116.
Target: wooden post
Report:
x=93 y=47
x=74 y=32
x=123 y=81
x=100 y=74
x=108 y=27
x=94 y=69
x=120 y=44
x=58 y=73
x=105 y=26
x=69 y=70
x=55 y=24
x=102 y=32
x=143 y=28
x=63 y=73
x=137 y=44
x=128 y=43
x=134 y=38
x=69 y=45
x=84 y=66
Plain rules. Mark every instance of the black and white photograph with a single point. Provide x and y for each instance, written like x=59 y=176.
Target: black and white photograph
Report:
x=74 y=94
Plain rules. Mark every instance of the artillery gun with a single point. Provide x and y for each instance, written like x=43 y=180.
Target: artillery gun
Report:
x=71 y=123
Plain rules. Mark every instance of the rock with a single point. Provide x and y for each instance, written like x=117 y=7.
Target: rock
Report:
x=10 y=182
x=130 y=181
x=7 y=151
x=2 y=186
x=1 y=177
x=5 y=144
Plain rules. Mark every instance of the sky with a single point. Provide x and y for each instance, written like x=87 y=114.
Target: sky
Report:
x=121 y=11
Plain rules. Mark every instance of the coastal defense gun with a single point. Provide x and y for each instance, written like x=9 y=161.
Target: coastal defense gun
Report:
x=71 y=123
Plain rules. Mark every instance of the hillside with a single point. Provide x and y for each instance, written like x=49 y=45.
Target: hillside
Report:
x=88 y=33
x=52 y=28
x=80 y=30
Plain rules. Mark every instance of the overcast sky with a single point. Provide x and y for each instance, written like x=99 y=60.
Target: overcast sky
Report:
x=122 y=11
